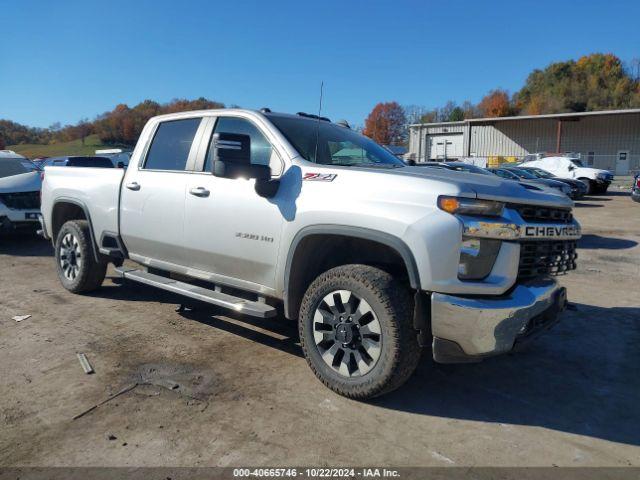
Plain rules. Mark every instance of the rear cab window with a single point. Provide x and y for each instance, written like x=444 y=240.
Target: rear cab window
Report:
x=171 y=144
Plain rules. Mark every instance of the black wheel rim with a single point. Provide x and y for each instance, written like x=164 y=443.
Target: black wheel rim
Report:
x=347 y=333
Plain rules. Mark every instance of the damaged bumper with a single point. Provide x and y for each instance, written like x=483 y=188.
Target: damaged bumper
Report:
x=467 y=329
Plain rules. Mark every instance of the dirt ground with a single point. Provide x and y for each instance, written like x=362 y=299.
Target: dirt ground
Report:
x=245 y=396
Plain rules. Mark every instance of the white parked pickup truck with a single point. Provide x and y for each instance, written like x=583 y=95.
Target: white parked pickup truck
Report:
x=596 y=180
x=253 y=210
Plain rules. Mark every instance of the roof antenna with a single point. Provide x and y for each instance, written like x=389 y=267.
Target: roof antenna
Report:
x=315 y=156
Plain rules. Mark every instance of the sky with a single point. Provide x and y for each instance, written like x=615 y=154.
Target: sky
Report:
x=61 y=61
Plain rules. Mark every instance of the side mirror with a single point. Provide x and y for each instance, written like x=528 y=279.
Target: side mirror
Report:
x=572 y=168
x=120 y=165
x=232 y=157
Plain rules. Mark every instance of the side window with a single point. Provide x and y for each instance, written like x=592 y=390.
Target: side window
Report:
x=171 y=144
x=261 y=149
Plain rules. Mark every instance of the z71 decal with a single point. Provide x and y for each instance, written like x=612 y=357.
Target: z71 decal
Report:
x=320 y=177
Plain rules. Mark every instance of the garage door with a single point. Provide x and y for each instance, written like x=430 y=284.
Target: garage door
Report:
x=444 y=146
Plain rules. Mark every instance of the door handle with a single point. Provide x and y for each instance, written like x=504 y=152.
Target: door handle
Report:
x=199 y=191
x=133 y=186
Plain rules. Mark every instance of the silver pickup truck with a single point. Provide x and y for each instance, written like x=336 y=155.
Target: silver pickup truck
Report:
x=254 y=210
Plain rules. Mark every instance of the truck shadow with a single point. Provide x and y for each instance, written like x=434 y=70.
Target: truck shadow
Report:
x=277 y=332
x=25 y=245
x=581 y=378
x=596 y=242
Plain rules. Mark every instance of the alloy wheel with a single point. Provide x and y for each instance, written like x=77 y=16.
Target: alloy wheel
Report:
x=347 y=333
x=70 y=256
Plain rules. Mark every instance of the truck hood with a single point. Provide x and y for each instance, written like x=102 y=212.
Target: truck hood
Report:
x=24 y=182
x=592 y=172
x=490 y=187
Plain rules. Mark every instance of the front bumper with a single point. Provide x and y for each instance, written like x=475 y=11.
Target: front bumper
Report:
x=10 y=224
x=467 y=329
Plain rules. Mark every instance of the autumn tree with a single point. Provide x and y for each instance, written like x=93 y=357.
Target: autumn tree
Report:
x=386 y=124
x=431 y=116
x=2 y=144
x=593 y=82
x=495 y=104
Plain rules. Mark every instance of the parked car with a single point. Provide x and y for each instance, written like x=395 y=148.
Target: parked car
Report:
x=513 y=173
x=119 y=157
x=78 y=161
x=457 y=166
x=374 y=259
x=596 y=180
x=635 y=188
x=19 y=193
x=39 y=161
x=578 y=188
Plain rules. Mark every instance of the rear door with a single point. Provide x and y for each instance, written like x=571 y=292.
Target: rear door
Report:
x=231 y=233
x=153 y=195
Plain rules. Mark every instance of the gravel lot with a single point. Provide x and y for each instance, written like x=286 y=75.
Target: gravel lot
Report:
x=246 y=397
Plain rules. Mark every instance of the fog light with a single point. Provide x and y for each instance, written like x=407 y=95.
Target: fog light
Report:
x=477 y=257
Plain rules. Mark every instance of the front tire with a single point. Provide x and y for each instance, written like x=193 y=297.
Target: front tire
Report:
x=78 y=269
x=601 y=188
x=356 y=331
x=591 y=185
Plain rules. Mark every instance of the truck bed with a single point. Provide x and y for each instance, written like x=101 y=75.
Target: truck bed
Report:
x=96 y=189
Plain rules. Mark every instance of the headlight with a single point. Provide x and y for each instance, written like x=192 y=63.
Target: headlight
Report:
x=470 y=206
x=477 y=257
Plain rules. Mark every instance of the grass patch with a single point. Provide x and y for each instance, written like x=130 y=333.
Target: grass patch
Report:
x=75 y=147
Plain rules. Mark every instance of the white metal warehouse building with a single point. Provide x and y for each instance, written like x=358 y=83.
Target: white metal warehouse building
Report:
x=607 y=139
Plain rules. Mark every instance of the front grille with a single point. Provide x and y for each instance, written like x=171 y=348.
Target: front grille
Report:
x=21 y=201
x=535 y=214
x=539 y=258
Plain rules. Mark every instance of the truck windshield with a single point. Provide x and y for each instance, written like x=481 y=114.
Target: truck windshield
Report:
x=12 y=166
x=336 y=145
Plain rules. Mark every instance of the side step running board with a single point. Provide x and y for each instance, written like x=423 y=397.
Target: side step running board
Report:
x=241 y=305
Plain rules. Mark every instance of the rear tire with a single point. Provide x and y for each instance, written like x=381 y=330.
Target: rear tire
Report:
x=356 y=331
x=77 y=267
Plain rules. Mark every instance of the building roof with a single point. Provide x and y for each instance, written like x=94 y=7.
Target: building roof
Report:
x=559 y=116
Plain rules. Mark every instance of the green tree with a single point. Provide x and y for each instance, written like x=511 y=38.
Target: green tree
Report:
x=456 y=115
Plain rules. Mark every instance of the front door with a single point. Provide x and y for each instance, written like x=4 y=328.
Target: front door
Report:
x=232 y=234
x=153 y=196
x=622 y=162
